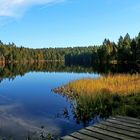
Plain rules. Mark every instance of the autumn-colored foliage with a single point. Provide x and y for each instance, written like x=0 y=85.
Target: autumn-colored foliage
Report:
x=105 y=96
x=122 y=84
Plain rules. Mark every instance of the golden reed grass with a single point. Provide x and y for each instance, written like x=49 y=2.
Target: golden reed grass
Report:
x=122 y=84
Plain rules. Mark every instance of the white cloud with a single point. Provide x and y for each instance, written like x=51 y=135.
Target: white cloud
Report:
x=16 y=8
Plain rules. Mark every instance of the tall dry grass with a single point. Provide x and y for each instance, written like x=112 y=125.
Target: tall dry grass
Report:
x=122 y=84
x=105 y=96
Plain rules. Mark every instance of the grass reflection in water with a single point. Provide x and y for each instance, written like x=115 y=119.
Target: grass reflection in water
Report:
x=108 y=95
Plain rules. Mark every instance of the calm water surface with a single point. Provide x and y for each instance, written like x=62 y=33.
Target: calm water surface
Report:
x=28 y=102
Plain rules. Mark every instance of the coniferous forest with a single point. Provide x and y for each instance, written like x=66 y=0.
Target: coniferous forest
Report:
x=126 y=50
x=69 y=69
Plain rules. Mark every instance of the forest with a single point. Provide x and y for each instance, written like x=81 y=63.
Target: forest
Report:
x=126 y=50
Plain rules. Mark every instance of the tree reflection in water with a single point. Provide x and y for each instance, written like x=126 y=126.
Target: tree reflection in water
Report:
x=14 y=69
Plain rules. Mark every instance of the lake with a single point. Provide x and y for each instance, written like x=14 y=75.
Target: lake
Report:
x=27 y=100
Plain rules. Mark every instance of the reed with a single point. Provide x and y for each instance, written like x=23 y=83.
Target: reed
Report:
x=122 y=84
x=105 y=96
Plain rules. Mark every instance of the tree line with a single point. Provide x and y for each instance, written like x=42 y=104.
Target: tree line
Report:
x=126 y=50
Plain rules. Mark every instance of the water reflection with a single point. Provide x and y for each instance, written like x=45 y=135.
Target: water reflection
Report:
x=27 y=101
x=12 y=70
x=100 y=107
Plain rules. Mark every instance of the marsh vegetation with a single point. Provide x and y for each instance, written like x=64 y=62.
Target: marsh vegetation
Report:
x=27 y=77
x=104 y=96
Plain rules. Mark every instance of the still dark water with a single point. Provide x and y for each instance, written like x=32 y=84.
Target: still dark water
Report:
x=27 y=101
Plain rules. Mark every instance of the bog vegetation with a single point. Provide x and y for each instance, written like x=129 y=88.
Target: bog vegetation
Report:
x=105 y=96
x=122 y=84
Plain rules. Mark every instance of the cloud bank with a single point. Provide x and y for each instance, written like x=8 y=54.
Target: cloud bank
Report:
x=16 y=8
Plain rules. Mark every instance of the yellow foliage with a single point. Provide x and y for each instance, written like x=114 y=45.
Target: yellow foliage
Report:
x=122 y=84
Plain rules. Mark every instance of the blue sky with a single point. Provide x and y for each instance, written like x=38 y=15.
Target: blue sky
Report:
x=64 y=23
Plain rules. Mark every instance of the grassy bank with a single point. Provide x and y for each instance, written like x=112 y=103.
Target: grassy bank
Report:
x=122 y=84
x=105 y=96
